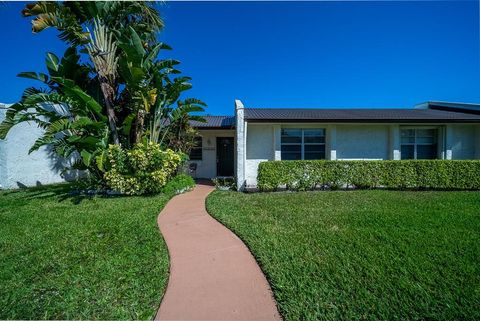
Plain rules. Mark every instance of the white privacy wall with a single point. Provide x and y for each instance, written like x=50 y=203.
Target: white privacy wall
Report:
x=364 y=142
x=17 y=167
x=260 y=148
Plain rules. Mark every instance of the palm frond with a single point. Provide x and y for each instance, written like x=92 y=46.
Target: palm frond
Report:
x=102 y=50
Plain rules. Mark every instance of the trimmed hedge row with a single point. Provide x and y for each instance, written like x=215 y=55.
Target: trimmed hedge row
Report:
x=398 y=174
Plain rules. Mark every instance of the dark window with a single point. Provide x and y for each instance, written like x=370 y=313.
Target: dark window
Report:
x=418 y=143
x=196 y=151
x=300 y=144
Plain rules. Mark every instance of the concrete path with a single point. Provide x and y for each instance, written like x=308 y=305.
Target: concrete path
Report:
x=213 y=275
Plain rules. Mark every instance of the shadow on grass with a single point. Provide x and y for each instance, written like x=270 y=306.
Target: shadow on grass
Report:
x=62 y=192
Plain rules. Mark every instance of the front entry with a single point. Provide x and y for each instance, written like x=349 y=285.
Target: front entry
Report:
x=225 y=156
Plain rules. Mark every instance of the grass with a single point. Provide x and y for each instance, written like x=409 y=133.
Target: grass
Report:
x=376 y=255
x=65 y=257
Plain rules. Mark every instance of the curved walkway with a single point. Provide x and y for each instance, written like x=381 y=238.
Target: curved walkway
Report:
x=213 y=276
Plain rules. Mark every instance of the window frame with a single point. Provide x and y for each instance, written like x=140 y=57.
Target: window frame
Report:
x=302 y=142
x=415 y=143
x=197 y=147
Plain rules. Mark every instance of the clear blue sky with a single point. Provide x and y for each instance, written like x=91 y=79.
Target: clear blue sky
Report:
x=290 y=54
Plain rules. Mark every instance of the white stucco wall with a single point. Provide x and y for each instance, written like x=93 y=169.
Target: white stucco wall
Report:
x=463 y=141
x=366 y=142
x=260 y=148
x=17 y=167
x=477 y=141
x=207 y=167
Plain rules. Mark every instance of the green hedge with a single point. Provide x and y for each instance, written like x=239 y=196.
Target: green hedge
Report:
x=179 y=184
x=404 y=174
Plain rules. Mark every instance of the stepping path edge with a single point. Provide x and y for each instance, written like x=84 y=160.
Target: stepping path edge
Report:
x=212 y=273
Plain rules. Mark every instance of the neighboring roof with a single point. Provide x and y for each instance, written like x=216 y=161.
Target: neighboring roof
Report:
x=215 y=122
x=358 y=115
x=451 y=106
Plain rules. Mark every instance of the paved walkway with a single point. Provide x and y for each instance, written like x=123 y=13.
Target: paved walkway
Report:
x=213 y=275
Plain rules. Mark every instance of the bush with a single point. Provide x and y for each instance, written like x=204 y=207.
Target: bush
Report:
x=179 y=184
x=398 y=174
x=224 y=183
x=144 y=169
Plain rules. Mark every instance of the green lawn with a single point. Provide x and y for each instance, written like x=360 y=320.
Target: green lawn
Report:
x=64 y=257
x=374 y=255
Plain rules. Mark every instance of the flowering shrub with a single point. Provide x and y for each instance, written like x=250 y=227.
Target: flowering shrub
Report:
x=144 y=169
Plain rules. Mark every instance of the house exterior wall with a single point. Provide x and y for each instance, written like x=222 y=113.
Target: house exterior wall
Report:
x=17 y=167
x=260 y=148
x=463 y=141
x=207 y=167
x=362 y=142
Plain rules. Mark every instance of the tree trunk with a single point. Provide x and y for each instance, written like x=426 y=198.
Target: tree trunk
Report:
x=108 y=94
x=138 y=130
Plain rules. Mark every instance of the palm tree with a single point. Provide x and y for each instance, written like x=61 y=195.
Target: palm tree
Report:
x=109 y=87
x=107 y=20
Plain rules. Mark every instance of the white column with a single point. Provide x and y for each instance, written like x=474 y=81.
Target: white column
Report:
x=448 y=141
x=277 y=142
x=394 y=142
x=331 y=137
x=240 y=129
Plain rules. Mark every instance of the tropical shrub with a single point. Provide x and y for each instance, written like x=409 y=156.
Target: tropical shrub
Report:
x=144 y=169
x=179 y=184
x=398 y=174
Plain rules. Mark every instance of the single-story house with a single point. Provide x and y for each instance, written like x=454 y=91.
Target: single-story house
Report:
x=235 y=145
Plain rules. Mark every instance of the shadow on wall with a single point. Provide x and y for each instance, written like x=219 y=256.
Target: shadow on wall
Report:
x=62 y=165
x=51 y=169
x=18 y=168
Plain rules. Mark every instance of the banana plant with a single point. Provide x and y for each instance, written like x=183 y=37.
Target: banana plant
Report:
x=179 y=134
x=150 y=89
x=110 y=86
x=72 y=120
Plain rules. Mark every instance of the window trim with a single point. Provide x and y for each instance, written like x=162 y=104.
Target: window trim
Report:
x=302 y=143
x=415 y=143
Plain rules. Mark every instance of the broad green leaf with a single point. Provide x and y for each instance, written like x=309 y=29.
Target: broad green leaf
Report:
x=127 y=124
x=71 y=89
x=137 y=42
x=52 y=62
x=86 y=157
x=33 y=75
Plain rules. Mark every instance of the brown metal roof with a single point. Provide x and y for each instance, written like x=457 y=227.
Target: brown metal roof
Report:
x=215 y=122
x=371 y=115
x=436 y=113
